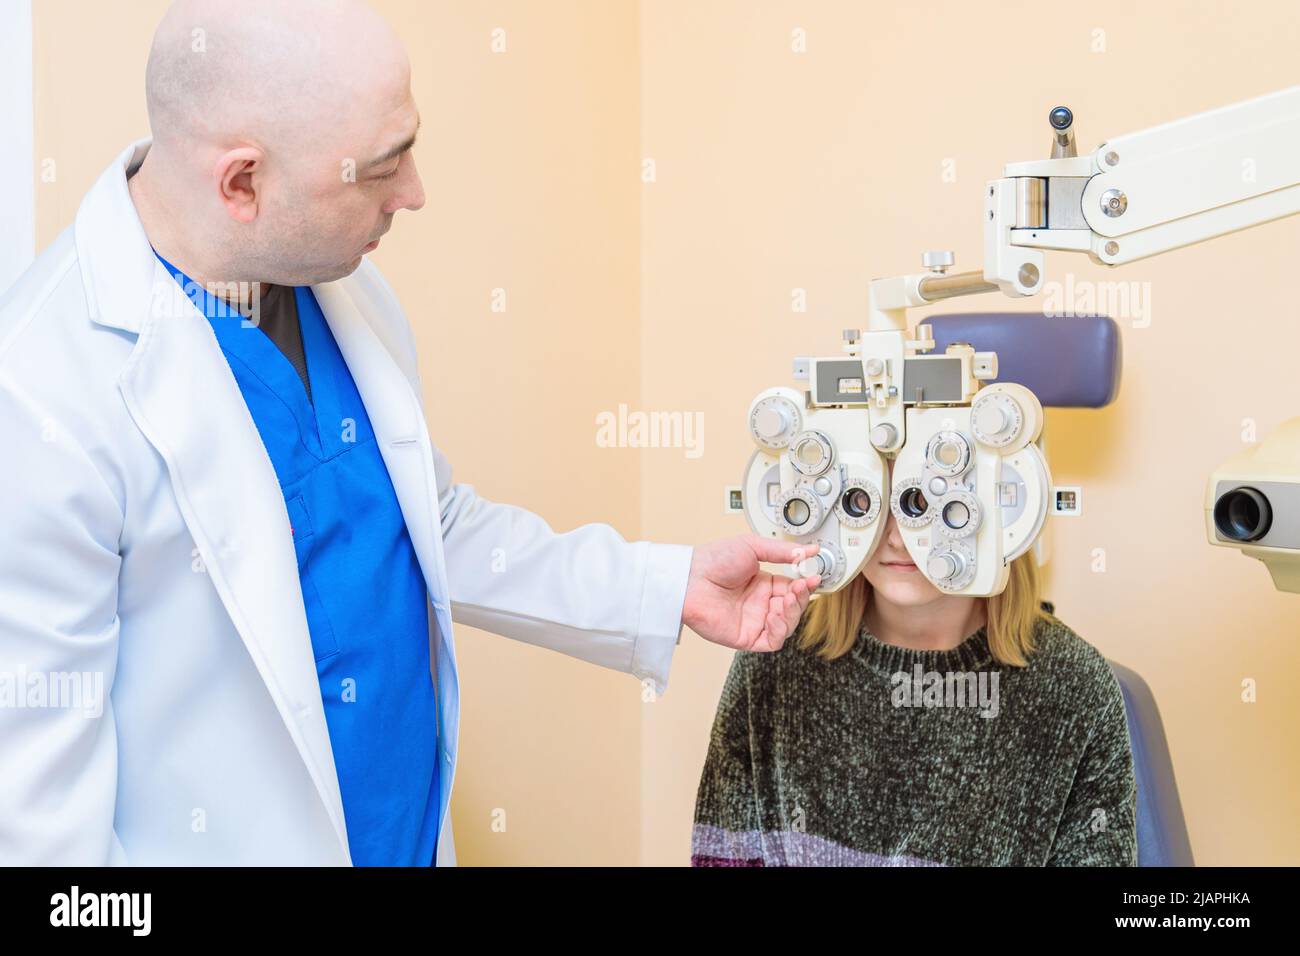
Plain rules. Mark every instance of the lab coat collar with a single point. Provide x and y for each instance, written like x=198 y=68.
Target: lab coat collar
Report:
x=116 y=259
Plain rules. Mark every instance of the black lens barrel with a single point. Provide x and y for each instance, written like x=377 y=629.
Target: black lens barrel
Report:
x=1243 y=514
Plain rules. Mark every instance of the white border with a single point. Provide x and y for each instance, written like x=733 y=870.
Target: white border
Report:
x=17 y=169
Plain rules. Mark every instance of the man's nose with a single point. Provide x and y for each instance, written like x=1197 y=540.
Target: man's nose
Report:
x=411 y=196
x=416 y=201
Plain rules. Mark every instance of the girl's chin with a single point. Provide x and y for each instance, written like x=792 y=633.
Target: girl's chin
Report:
x=903 y=587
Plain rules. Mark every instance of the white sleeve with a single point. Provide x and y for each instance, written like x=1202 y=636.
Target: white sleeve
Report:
x=59 y=565
x=588 y=592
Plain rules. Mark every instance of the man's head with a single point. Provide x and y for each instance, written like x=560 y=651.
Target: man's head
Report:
x=281 y=134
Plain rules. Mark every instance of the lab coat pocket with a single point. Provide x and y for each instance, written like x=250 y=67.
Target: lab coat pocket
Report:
x=323 y=642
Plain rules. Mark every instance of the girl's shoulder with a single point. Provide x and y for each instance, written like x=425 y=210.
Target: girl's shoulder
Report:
x=1064 y=658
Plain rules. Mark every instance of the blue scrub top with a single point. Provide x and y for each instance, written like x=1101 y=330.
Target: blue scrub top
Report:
x=362 y=587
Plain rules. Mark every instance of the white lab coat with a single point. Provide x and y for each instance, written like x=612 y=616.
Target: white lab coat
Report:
x=144 y=538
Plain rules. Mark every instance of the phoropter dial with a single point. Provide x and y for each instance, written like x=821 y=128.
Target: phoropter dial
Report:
x=959 y=515
x=799 y=511
x=774 y=420
x=996 y=419
x=859 y=503
x=810 y=453
x=828 y=562
x=951 y=565
x=911 y=508
x=948 y=453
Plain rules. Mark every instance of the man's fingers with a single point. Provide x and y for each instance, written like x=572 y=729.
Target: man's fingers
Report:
x=776 y=621
x=803 y=591
x=780 y=552
x=769 y=631
x=779 y=626
x=788 y=601
x=792 y=609
x=801 y=588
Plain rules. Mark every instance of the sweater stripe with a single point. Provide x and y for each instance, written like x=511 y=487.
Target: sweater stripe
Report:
x=714 y=846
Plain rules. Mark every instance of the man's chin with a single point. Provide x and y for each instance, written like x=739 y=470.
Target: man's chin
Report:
x=339 y=272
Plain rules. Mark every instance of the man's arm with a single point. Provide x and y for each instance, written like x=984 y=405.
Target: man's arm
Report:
x=59 y=566
x=588 y=593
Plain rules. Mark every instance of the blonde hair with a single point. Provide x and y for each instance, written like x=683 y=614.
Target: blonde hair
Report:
x=830 y=624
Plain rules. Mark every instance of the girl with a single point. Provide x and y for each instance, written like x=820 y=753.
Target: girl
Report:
x=903 y=726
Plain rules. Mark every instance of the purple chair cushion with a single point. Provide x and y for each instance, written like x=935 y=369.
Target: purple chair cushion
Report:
x=1068 y=362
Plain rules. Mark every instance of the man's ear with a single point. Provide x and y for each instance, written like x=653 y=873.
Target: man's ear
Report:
x=234 y=175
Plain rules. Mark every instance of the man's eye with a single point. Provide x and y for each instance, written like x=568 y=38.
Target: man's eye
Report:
x=389 y=175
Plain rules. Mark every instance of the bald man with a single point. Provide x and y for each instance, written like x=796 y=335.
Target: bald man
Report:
x=232 y=553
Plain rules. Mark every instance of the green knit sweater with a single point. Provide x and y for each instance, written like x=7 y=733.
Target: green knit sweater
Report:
x=889 y=756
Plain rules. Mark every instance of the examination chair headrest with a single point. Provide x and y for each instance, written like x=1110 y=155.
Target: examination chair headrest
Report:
x=1068 y=361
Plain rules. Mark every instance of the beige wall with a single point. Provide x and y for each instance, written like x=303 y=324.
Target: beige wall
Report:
x=777 y=170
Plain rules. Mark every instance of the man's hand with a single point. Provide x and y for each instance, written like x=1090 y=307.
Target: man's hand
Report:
x=730 y=601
